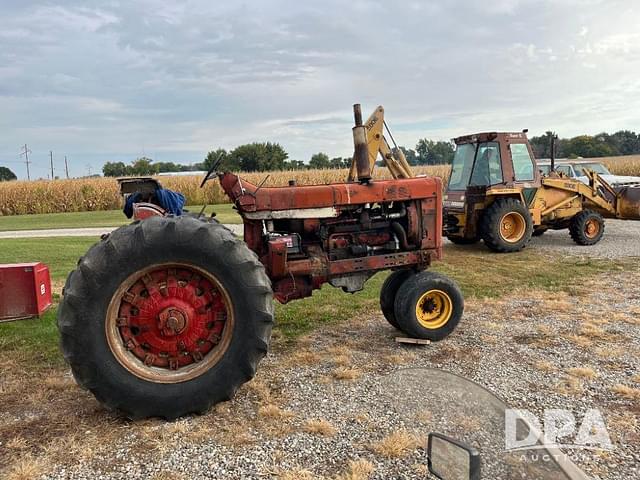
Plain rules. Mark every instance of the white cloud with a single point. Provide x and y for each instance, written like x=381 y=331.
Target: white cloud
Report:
x=106 y=78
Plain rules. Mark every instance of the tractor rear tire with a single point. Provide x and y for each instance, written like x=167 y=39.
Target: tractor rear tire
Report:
x=587 y=228
x=506 y=226
x=428 y=306
x=388 y=294
x=463 y=240
x=166 y=317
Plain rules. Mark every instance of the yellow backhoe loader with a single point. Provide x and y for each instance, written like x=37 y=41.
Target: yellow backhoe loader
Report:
x=497 y=193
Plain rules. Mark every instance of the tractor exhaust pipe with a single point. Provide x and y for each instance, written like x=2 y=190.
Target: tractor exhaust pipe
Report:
x=361 y=150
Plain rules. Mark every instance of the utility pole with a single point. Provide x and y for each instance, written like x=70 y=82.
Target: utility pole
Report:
x=66 y=167
x=26 y=153
x=51 y=157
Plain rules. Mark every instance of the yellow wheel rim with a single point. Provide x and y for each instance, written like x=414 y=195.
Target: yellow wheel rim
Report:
x=592 y=228
x=512 y=227
x=434 y=309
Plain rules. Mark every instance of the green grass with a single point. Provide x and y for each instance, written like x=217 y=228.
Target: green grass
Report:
x=478 y=272
x=61 y=254
x=108 y=218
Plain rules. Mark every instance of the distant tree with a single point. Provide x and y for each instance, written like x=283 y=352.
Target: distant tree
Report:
x=115 y=169
x=227 y=162
x=430 y=152
x=587 y=146
x=7 y=175
x=259 y=157
x=162 y=167
x=294 y=165
x=142 y=166
x=626 y=142
x=340 y=162
x=319 y=160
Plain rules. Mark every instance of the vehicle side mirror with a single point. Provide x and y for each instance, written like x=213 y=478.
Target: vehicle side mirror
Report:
x=452 y=460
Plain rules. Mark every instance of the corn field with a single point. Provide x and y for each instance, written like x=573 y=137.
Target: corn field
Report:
x=91 y=194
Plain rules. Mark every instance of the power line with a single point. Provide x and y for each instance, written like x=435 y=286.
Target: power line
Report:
x=26 y=153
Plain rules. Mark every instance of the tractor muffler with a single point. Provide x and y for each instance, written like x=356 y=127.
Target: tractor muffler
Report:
x=361 y=150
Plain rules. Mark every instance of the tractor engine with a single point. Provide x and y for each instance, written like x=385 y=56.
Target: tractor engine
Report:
x=339 y=233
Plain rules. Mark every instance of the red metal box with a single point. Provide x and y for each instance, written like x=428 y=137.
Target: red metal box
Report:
x=25 y=290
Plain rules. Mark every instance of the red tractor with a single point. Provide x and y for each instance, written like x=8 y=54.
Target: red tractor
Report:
x=172 y=314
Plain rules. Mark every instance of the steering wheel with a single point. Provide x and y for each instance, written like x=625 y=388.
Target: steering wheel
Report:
x=213 y=169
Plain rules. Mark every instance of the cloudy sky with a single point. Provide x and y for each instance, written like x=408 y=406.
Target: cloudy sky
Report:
x=114 y=80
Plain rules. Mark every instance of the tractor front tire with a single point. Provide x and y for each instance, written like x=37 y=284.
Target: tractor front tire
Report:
x=428 y=306
x=506 y=226
x=388 y=294
x=166 y=317
x=587 y=228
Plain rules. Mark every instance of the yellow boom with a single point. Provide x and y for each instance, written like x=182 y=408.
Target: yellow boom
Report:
x=377 y=143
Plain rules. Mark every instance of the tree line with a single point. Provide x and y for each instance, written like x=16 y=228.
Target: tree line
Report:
x=272 y=156
x=622 y=142
x=264 y=156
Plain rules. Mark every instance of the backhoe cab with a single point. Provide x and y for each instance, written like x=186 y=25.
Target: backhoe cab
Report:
x=497 y=193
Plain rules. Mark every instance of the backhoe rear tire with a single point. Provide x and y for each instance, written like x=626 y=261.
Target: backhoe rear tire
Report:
x=587 y=227
x=388 y=294
x=428 y=306
x=506 y=226
x=166 y=317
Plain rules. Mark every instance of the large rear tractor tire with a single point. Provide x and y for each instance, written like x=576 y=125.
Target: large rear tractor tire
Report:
x=166 y=317
x=506 y=226
x=587 y=228
x=428 y=306
x=388 y=294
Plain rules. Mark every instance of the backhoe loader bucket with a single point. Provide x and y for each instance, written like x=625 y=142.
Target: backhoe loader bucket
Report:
x=628 y=202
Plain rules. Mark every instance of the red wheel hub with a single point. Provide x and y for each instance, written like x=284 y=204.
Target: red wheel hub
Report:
x=171 y=317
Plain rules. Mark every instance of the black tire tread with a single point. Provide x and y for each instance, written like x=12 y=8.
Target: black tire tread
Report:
x=388 y=294
x=126 y=242
x=576 y=227
x=490 y=225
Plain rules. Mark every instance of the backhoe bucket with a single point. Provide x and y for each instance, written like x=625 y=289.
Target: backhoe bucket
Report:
x=628 y=202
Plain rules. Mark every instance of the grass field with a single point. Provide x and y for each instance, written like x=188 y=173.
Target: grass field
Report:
x=479 y=273
x=106 y=218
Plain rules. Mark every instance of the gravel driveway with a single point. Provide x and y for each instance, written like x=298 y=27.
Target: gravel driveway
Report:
x=319 y=409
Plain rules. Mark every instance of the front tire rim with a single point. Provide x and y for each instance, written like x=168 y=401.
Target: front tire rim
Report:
x=434 y=309
x=592 y=228
x=169 y=323
x=512 y=227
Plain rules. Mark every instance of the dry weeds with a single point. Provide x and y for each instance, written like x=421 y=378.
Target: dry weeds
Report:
x=346 y=373
x=319 y=426
x=274 y=412
x=626 y=392
x=582 y=372
x=397 y=445
x=26 y=468
x=360 y=469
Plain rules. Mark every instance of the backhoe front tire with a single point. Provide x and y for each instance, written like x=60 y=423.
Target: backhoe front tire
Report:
x=428 y=306
x=587 y=228
x=506 y=226
x=388 y=294
x=166 y=317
